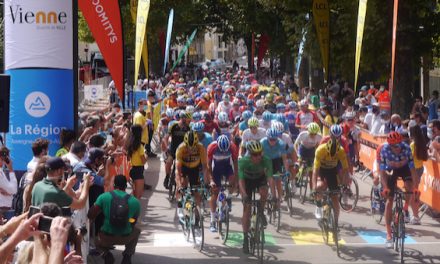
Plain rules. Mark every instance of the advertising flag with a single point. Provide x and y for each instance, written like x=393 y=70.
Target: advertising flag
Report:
x=393 y=48
x=300 y=52
x=185 y=48
x=133 y=11
x=104 y=20
x=360 y=34
x=141 y=26
x=167 y=45
x=321 y=15
x=262 y=48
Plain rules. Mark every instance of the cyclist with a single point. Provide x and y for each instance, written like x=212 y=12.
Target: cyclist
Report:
x=396 y=155
x=325 y=173
x=163 y=128
x=254 y=171
x=290 y=150
x=235 y=112
x=306 y=143
x=244 y=123
x=225 y=105
x=275 y=149
x=281 y=108
x=265 y=122
x=270 y=105
x=223 y=124
x=305 y=116
x=204 y=138
x=176 y=131
x=221 y=154
x=254 y=132
x=210 y=124
x=259 y=108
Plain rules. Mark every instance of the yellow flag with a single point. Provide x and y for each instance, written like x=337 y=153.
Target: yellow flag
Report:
x=156 y=115
x=321 y=15
x=360 y=34
x=133 y=11
x=143 y=8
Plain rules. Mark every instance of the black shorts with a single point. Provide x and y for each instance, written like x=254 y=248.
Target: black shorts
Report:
x=137 y=173
x=307 y=155
x=277 y=165
x=252 y=184
x=193 y=175
x=330 y=176
x=172 y=152
x=404 y=173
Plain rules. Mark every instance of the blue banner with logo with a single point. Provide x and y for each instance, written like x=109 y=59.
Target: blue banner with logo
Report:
x=41 y=105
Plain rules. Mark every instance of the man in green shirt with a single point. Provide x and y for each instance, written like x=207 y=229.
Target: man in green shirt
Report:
x=110 y=235
x=254 y=170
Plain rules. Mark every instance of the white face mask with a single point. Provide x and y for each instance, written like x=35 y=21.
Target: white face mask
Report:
x=430 y=136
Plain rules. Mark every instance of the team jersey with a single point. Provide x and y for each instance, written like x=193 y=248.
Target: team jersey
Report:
x=234 y=114
x=288 y=141
x=248 y=135
x=225 y=129
x=177 y=134
x=324 y=160
x=305 y=118
x=209 y=127
x=343 y=141
x=243 y=125
x=264 y=124
x=252 y=171
x=220 y=158
x=275 y=151
x=207 y=139
x=223 y=107
x=191 y=157
x=304 y=139
x=387 y=156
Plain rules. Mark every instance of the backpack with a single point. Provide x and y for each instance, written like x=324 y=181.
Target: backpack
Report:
x=119 y=210
x=17 y=200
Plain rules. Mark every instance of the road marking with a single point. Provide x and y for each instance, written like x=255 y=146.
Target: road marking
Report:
x=379 y=237
x=235 y=239
x=312 y=238
x=170 y=240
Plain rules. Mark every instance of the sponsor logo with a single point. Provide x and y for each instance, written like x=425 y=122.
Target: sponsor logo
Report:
x=37 y=104
x=42 y=19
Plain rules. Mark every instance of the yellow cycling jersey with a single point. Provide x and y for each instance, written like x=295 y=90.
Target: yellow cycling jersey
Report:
x=191 y=157
x=325 y=161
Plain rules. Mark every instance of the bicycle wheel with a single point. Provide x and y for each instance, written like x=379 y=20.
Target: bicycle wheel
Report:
x=303 y=184
x=172 y=185
x=333 y=228
x=395 y=230
x=270 y=209
x=375 y=207
x=223 y=226
x=187 y=228
x=288 y=196
x=197 y=229
x=401 y=237
x=259 y=240
x=349 y=196
x=252 y=243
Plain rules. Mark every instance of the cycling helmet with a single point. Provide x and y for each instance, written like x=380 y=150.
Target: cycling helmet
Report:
x=254 y=147
x=177 y=114
x=223 y=117
x=198 y=126
x=267 y=116
x=250 y=102
x=272 y=133
x=281 y=106
x=349 y=115
x=332 y=146
x=269 y=97
x=191 y=139
x=304 y=103
x=226 y=98
x=394 y=138
x=246 y=115
x=197 y=116
x=280 y=118
x=292 y=105
x=278 y=126
x=181 y=99
x=259 y=103
x=336 y=130
x=313 y=128
x=253 y=122
x=169 y=113
x=189 y=101
x=190 y=109
x=223 y=143
x=236 y=101
x=184 y=114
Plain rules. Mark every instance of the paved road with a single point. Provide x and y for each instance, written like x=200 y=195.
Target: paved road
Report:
x=299 y=240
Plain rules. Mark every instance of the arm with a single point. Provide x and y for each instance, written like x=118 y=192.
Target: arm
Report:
x=59 y=230
x=81 y=201
x=94 y=211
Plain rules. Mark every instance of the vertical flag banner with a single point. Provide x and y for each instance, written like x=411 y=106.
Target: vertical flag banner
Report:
x=262 y=48
x=321 y=15
x=360 y=34
x=168 y=43
x=133 y=11
x=39 y=58
x=393 y=48
x=252 y=52
x=104 y=20
x=141 y=26
x=300 y=52
x=185 y=48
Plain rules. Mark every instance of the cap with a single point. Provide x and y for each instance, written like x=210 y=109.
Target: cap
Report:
x=55 y=163
x=95 y=153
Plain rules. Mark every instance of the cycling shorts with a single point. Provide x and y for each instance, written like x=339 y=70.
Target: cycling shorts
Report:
x=277 y=165
x=307 y=154
x=221 y=171
x=193 y=175
x=403 y=172
x=252 y=184
x=330 y=176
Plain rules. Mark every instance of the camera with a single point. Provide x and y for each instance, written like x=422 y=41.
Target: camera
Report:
x=4 y=155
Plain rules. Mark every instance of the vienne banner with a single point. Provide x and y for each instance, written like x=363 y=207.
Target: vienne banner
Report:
x=393 y=47
x=185 y=48
x=360 y=35
x=104 y=20
x=321 y=15
x=141 y=26
x=39 y=59
x=133 y=11
x=39 y=109
x=167 y=45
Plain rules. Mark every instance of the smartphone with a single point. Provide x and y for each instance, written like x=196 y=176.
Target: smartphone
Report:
x=33 y=210
x=66 y=212
x=44 y=224
x=79 y=176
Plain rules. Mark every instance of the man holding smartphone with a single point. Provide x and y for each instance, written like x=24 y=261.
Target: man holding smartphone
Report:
x=8 y=183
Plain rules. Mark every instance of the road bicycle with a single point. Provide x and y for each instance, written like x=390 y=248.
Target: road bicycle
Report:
x=377 y=203
x=328 y=223
x=288 y=192
x=192 y=222
x=256 y=233
x=223 y=208
x=398 y=223
x=349 y=195
x=172 y=183
x=302 y=181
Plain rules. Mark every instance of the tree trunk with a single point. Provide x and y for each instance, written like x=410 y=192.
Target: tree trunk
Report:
x=248 y=42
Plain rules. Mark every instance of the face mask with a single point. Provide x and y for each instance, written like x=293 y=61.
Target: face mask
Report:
x=412 y=123
x=383 y=121
x=382 y=89
x=395 y=125
x=145 y=108
x=371 y=86
x=430 y=133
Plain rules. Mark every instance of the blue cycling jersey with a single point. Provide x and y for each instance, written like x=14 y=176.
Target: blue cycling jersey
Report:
x=275 y=151
x=243 y=126
x=207 y=140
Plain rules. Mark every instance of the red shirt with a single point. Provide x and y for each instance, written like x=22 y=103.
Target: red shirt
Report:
x=215 y=153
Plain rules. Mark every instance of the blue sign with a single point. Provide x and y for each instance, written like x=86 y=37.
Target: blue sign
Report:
x=41 y=105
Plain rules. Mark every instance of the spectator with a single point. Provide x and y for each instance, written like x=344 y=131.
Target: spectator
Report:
x=39 y=149
x=110 y=234
x=8 y=182
x=54 y=189
x=67 y=137
x=396 y=123
x=136 y=154
x=434 y=136
x=417 y=105
x=371 y=116
x=140 y=118
x=97 y=141
x=38 y=175
x=433 y=105
x=92 y=127
x=76 y=153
